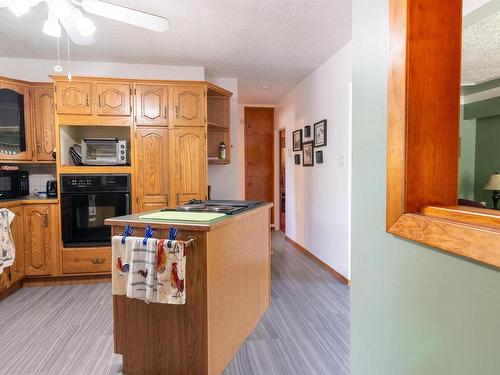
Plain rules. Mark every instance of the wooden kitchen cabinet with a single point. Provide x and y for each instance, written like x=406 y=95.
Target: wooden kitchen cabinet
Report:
x=22 y=91
x=151 y=105
x=17 y=270
x=152 y=169
x=44 y=122
x=113 y=99
x=189 y=105
x=5 y=279
x=38 y=245
x=74 y=98
x=188 y=164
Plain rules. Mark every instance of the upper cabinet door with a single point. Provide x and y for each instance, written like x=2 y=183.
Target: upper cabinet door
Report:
x=188 y=147
x=151 y=172
x=74 y=98
x=15 y=122
x=188 y=106
x=43 y=118
x=151 y=105
x=113 y=99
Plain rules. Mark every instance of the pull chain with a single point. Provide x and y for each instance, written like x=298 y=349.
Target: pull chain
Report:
x=69 y=58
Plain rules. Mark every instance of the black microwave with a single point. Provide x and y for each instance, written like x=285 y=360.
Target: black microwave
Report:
x=14 y=183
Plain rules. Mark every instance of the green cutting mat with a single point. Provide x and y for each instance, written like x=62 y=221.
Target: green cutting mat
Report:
x=182 y=216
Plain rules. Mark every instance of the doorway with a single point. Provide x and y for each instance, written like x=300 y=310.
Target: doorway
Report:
x=282 y=153
x=259 y=154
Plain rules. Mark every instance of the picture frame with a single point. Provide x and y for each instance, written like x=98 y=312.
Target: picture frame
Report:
x=320 y=136
x=319 y=157
x=307 y=131
x=297 y=140
x=308 y=154
x=297 y=159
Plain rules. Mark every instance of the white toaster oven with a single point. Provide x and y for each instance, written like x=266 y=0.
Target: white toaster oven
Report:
x=104 y=151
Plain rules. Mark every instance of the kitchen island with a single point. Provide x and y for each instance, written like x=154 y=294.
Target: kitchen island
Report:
x=228 y=286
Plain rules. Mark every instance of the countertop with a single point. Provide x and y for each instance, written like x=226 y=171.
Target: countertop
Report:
x=29 y=199
x=135 y=221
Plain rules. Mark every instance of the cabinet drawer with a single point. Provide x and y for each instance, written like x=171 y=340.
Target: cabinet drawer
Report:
x=89 y=260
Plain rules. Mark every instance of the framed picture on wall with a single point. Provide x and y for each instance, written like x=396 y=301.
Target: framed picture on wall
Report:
x=308 y=154
x=297 y=140
x=297 y=159
x=319 y=157
x=307 y=131
x=320 y=133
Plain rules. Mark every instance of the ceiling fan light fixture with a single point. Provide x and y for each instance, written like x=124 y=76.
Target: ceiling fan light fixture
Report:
x=18 y=7
x=85 y=26
x=51 y=27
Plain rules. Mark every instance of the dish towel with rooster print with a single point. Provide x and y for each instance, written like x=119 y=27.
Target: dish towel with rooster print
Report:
x=7 y=249
x=121 y=264
x=171 y=272
x=141 y=283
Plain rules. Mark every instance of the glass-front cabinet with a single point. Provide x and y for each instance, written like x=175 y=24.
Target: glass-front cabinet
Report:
x=15 y=130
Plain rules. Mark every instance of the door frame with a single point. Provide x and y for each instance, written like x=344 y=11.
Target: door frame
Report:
x=281 y=205
x=273 y=187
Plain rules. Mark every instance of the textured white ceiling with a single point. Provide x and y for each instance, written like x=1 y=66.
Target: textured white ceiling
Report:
x=261 y=42
x=481 y=42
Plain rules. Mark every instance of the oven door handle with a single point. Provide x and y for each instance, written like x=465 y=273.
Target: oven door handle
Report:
x=127 y=206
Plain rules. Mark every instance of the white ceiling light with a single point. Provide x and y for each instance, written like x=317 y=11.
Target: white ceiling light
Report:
x=51 y=26
x=79 y=27
x=18 y=7
x=84 y=24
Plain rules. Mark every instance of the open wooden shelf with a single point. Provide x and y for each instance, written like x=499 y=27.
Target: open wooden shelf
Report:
x=216 y=125
x=84 y=169
x=215 y=160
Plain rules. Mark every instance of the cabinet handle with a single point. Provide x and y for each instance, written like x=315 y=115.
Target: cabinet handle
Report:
x=45 y=220
x=177 y=198
x=97 y=260
x=177 y=111
x=165 y=110
x=99 y=100
x=87 y=99
x=166 y=199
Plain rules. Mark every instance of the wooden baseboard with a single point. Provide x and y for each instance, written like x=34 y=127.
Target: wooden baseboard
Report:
x=306 y=252
x=66 y=280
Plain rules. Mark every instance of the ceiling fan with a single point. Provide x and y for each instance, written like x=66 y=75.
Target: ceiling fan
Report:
x=78 y=26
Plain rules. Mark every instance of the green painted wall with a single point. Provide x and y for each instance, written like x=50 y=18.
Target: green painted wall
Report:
x=467 y=159
x=415 y=310
x=483 y=108
x=487 y=156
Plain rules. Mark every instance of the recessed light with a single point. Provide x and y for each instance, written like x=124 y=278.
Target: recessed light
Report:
x=264 y=87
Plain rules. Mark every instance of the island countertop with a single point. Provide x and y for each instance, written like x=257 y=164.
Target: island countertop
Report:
x=200 y=226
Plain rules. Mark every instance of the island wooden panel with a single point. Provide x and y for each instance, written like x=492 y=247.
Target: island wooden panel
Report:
x=238 y=284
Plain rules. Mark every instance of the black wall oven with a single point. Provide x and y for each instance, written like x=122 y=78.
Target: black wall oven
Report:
x=88 y=200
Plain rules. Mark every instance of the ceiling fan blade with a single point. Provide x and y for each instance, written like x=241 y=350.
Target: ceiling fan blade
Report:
x=127 y=15
x=69 y=24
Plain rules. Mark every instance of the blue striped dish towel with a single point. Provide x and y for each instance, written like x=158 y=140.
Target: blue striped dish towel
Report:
x=142 y=280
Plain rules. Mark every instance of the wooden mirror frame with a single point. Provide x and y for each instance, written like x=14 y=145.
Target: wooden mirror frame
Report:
x=423 y=134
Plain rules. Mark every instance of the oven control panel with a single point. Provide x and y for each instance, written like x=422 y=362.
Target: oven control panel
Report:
x=95 y=182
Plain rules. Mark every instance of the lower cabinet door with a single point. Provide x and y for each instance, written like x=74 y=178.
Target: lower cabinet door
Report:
x=188 y=166
x=17 y=229
x=37 y=245
x=4 y=279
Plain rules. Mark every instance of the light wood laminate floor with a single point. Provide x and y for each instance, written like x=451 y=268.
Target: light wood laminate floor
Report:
x=68 y=329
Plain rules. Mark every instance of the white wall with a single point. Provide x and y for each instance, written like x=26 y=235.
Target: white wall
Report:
x=317 y=198
x=39 y=70
x=226 y=180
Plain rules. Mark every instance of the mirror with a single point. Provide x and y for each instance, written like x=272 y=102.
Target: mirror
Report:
x=479 y=161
